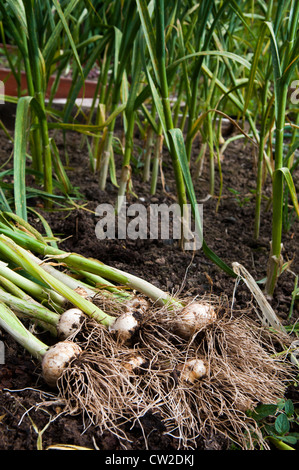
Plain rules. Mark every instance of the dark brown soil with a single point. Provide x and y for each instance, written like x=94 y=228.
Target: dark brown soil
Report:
x=229 y=232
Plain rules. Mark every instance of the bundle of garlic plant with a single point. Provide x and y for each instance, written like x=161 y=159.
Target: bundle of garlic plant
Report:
x=97 y=384
x=190 y=362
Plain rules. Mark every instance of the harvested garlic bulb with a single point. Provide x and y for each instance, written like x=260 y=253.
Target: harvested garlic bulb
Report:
x=125 y=326
x=70 y=322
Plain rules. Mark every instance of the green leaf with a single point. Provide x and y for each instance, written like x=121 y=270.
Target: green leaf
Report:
x=69 y=35
x=117 y=44
x=23 y=223
x=47 y=228
x=76 y=86
x=55 y=36
x=158 y=105
x=278 y=441
x=223 y=54
x=19 y=11
x=59 y=168
x=4 y=205
x=149 y=33
x=136 y=76
x=289 y=439
x=20 y=146
x=275 y=52
x=88 y=128
x=182 y=49
x=291 y=151
x=254 y=65
x=282 y=424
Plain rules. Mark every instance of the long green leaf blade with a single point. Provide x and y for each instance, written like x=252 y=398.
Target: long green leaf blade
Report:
x=19 y=11
x=158 y=105
x=149 y=33
x=56 y=33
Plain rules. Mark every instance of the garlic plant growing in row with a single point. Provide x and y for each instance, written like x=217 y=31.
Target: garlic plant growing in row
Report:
x=191 y=317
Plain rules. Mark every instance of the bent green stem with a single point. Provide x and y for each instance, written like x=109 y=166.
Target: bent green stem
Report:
x=12 y=325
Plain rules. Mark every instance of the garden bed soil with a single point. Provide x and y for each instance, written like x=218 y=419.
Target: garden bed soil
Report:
x=229 y=232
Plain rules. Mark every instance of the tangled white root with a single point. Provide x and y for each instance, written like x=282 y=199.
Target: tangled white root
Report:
x=197 y=386
x=125 y=326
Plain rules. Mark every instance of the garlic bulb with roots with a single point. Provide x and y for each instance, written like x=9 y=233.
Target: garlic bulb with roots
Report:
x=193 y=318
x=57 y=358
x=193 y=370
x=70 y=322
x=125 y=326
